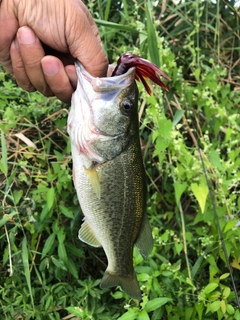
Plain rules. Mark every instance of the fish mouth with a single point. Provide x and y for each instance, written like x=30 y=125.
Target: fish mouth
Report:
x=86 y=132
x=106 y=84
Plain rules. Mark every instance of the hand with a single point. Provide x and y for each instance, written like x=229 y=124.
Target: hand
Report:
x=62 y=28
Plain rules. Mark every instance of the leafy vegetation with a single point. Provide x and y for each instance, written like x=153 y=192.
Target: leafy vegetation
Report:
x=45 y=271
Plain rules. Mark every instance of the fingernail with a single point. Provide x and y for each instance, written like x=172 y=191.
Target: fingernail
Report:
x=26 y=36
x=50 y=68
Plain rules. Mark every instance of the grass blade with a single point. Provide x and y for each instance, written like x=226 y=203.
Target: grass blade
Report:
x=115 y=26
x=26 y=267
x=152 y=38
x=107 y=10
x=3 y=162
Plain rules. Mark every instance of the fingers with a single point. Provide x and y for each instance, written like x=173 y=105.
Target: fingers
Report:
x=26 y=54
x=18 y=68
x=57 y=78
x=84 y=41
x=33 y=71
x=8 y=27
x=67 y=28
x=72 y=75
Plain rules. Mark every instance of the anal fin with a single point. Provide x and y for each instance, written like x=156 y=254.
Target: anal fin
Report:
x=86 y=235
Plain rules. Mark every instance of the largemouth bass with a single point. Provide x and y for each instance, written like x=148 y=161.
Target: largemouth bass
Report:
x=108 y=172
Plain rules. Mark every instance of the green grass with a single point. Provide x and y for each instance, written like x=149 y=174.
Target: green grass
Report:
x=45 y=271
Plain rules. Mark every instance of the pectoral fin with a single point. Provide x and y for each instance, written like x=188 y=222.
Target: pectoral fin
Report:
x=86 y=235
x=93 y=176
x=144 y=241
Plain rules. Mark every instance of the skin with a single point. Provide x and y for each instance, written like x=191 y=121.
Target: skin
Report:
x=41 y=41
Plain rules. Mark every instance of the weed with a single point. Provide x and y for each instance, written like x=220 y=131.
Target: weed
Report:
x=46 y=272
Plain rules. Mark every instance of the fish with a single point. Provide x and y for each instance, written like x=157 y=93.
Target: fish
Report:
x=108 y=170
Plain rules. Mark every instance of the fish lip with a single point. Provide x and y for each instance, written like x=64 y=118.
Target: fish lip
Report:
x=105 y=84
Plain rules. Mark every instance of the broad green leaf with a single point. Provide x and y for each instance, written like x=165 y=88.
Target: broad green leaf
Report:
x=131 y=314
x=66 y=211
x=216 y=305
x=58 y=263
x=62 y=253
x=188 y=313
x=59 y=155
x=177 y=117
x=223 y=306
x=48 y=245
x=226 y=292
x=230 y=309
x=78 y=252
x=156 y=303
x=165 y=127
x=61 y=234
x=48 y=302
x=9 y=117
x=72 y=268
x=179 y=189
x=229 y=225
x=178 y=247
x=215 y=160
x=224 y=275
x=143 y=277
x=197 y=73
x=199 y=307
x=76 y=311
x=236 y=263
x=50 y=198
x=44 y=213
x=197 y=266
x=17 y=195
x=117 y=295
x=210 y=287
x=160 y=145
x=143 y=315
x=200 y=192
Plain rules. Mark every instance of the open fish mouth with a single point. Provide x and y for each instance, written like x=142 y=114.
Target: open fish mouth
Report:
x=109 y=83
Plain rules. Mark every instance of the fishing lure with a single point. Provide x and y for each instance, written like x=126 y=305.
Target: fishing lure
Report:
x=144 y=70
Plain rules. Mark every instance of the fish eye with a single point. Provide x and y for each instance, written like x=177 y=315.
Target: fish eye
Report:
x=126 y=106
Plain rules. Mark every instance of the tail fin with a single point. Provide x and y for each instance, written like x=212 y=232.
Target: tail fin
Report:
x=129 y=284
